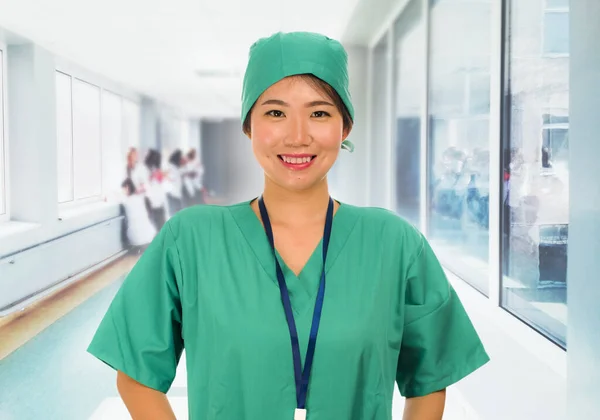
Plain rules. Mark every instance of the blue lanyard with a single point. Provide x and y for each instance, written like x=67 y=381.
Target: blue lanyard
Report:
x=302 y=376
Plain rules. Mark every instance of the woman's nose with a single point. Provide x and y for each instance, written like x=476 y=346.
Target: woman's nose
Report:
x=299 y=133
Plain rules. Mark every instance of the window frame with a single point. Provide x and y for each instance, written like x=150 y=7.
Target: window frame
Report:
x=4 y=146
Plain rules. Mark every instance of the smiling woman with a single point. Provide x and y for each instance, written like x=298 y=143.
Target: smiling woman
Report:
x=242 y=287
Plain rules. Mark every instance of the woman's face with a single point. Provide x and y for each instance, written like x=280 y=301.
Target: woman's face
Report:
x=133 y=157
x=296 y=133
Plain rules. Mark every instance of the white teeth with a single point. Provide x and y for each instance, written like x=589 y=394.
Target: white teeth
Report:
x=295 y=161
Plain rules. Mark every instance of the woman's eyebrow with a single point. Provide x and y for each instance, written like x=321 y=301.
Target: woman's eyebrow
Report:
x=307 y=105
x=275 y=102
x=317 y=103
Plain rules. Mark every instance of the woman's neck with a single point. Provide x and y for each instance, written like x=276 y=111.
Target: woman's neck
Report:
x=296 y=208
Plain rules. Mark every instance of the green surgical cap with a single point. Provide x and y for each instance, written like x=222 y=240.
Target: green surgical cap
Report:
x=288 y=54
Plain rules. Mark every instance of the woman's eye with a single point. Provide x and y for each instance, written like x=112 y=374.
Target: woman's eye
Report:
x=321 y=114
x=275 y=113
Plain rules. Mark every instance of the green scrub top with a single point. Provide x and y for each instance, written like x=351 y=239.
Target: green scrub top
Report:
x=207 y=283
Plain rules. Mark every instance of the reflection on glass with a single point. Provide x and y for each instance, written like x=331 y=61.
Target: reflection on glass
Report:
x=536 y=174
x=459 y=108
x=410 y=75
x=379 y=132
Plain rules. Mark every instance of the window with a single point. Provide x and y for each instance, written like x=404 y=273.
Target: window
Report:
x=556 y=27
x=535 y=221
x=458 y=161
x=410 y=78
x=379 y=122
x=78 y=136
x=3 y=157
x=555 y=140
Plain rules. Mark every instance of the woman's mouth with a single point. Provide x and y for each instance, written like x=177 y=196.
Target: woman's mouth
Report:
x=297 y=162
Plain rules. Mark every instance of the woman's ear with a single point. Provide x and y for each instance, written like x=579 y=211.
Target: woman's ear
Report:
x=346 y=133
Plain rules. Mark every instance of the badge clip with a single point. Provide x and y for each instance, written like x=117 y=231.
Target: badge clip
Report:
x=300 y=414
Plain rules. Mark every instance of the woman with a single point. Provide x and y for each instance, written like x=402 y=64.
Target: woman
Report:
x=242 y=287
x=137 y=173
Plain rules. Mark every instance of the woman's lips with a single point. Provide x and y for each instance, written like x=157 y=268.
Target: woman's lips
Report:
x=297 y=162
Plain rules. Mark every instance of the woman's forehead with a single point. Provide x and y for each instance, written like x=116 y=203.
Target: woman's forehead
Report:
x=294 y=87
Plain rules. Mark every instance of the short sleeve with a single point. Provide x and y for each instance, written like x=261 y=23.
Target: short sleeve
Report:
x=141 y=334
x=439 y=344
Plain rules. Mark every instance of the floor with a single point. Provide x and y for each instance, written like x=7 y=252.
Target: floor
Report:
x=45 y=372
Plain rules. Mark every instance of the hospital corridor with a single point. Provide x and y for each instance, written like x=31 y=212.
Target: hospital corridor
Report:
x=462 y=123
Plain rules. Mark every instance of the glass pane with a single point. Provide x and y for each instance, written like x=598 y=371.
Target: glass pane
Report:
x=379 y=131
x=64 y=127
x=556 y=32
x=459 y=107
x=410 y=78
x=113 y=161
x=536 y=182
x=87 y=150
x=2 y=167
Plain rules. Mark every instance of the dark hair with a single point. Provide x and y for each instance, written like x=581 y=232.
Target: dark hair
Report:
x=153 y=159
x=323 y=87
x=191 y=154
x=176 y=157
x=128 y=183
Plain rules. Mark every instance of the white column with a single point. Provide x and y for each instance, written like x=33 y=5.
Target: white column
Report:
x=32 y=134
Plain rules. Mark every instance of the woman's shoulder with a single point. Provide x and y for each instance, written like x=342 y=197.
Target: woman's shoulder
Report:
x=381 y=225
x=382 y=216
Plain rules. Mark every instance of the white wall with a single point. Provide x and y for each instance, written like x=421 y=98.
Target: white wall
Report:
x=32 y=134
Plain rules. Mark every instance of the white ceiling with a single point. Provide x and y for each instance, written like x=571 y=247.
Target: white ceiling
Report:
x=157 y=46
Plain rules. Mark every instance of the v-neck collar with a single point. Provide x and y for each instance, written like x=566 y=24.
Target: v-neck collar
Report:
x=303 y=287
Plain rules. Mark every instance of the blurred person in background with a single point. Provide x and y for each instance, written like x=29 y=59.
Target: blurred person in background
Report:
x=194 y=175
x=175 y=180
x=156 y=196
x=140 y=230
x=135 y=172
x=242 y=287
